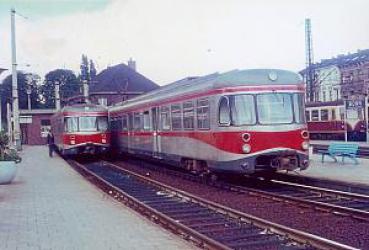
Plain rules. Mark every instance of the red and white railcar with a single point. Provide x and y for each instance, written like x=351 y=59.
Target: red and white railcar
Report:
x=246 y=122
x=81 y=129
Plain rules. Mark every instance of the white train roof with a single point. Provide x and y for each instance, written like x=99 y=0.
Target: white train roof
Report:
x=84 y=108
x=234 y=78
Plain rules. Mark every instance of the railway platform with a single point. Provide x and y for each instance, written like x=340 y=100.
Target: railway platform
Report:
x=337 y=171
x=363 y=146
x=50 y=206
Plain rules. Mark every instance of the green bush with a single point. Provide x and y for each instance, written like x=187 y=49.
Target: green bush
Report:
x=7 y=154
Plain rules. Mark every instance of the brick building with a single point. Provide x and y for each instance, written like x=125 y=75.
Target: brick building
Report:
x=35 y=125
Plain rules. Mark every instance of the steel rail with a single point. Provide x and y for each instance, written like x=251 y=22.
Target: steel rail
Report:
x=319 y=205
x=325 y=190
x=352 y=212
x=293 y=234
x=160 y=218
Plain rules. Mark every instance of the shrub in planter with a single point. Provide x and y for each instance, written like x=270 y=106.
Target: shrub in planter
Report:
x=8 y=159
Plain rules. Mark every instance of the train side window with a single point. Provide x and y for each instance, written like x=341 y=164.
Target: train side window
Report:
x=324 y=115
x=176 y=117
x=124 y=123
x=188 y=115
x=342 y=113
x=333 y=114
x=165 y=118
x=203 y=118
x=137 y=121
x=224 y=111
x=315 y=115
x=146 y=120
x=307 y=115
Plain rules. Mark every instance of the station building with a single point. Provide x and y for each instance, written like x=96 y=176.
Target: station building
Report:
x=341 y=77
x=112 y=85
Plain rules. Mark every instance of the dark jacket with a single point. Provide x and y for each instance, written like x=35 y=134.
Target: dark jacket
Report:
x=50 y=139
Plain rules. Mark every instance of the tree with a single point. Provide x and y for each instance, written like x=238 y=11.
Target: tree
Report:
x=92 y=69
x=6 y=92
x=85 y=71
x=68 y=82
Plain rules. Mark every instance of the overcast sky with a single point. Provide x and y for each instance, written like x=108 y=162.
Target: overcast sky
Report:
x=172 y=39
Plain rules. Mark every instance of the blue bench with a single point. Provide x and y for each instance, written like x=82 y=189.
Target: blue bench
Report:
x=341 y=149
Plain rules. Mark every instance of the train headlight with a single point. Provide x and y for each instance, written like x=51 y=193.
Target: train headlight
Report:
x=72 y=142
x=103 y=140
x=246 y=148
x=305 y=145
x=305 y=134
x=246 y=137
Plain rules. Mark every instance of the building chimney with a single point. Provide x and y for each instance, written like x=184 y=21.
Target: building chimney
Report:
x=132 y=64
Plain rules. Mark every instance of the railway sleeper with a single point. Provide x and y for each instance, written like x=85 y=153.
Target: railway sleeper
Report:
x=174 y=207
x=240 y=236
x=164 y=202
x=267 y=241
x=197 y=215
x=181 y=212
x=203 y=220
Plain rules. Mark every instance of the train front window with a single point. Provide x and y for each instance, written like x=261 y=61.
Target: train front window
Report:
x=243 y=110
x=298 y=108
x=102 y=123
x=87 y=123
x=274 y=108
x=71 y=124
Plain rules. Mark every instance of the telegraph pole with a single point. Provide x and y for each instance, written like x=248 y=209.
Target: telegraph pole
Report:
x=16 y=131
x=309 y=61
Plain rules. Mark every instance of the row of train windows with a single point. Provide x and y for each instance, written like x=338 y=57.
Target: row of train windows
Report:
x=323 y=115
x=175 y=117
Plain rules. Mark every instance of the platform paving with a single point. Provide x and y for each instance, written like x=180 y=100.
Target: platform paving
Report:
x=50 y=206
x=330 y=170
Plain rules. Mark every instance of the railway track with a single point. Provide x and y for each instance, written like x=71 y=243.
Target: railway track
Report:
x=208 y=224
x=334 y=201
x=329 y=184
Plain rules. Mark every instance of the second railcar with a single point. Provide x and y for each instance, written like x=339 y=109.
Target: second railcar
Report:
x=81 y=129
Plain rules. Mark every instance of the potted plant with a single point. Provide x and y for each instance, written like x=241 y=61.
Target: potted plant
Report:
x=8 y=159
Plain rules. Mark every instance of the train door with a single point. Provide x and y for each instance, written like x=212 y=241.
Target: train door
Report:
x=130 y=136
x=156 y=133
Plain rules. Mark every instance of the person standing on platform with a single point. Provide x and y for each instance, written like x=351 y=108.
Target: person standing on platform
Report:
x=50 y=143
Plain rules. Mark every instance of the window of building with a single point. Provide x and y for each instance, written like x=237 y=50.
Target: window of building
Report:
x=324 y=115
x=146 y=120
x=188 y=115
x=176 y=117
x=165 y=118
x=203 y=119
x=103 y=101
x=224 y=111
x=45 y=122
x=315 y=115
